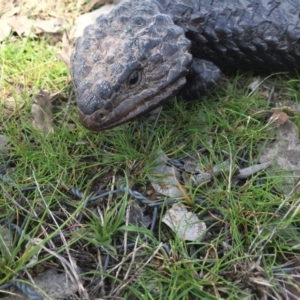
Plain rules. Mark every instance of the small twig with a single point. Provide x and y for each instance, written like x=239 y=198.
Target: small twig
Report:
x=134 y=251
x=266 y=240
x=68 y=106
x=271 y=95
x=125 y=283
x=125 y=249
x=230 y=175
x=247 y=172
x=72 y=265
x=154 y=125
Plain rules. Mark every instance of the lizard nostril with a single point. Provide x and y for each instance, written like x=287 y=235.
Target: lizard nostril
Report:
x=100 y=115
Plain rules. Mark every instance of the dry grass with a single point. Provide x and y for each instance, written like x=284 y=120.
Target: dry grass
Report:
x=251 y=250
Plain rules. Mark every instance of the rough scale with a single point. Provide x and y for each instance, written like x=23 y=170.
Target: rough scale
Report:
x=145 y=51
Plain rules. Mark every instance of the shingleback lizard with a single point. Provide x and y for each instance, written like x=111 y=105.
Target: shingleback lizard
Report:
x=145 y=51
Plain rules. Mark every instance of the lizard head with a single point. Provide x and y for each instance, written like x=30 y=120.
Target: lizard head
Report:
x=128 y=63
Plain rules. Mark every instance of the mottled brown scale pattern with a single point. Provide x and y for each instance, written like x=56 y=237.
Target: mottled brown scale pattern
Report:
x=145 y=51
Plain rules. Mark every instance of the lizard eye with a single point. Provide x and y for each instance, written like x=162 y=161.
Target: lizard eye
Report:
x=134 y=79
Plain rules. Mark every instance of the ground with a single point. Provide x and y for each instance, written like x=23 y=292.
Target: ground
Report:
x=87 y=211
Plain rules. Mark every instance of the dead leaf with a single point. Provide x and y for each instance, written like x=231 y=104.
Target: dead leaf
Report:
x=279 y=117
x=206 y=176
x=284 y=156
x=21 y=25
x=255 y=83
x=292 y=107
x=66 y=51
x=137 y=217
x=4 y=144
x=5 y=30
x=93 y=4
x=42 y=112
x=24 y=26
x=31 y=245
x=9 y=10
x=185 y=224
x=6 y=241
x=13 y=102
x=164 y=178
x=49 y=26
x=56 y=285
x=87 y=19
x=192 y=163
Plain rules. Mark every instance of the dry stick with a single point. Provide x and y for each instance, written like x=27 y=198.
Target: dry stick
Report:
x=72 y=266
x=67 y=266
x=110 y=196
x=271 y=94
x=29 y=213
x=124 y=259
x=125 y=249
x=152 y=134
x=132 y=259
x=230 y=175
x=134 y=251
x=68 y=105
x=101 y=275
x=99 y=285
x=126 y=232
x=120 y=263
x=267 y=239
x=263 y=80
x=141 y=267
x=154 y=125
x=286 y=291
x=100 y=215
x=238 y=157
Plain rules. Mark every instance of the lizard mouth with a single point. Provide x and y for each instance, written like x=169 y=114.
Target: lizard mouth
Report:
x=103 y=119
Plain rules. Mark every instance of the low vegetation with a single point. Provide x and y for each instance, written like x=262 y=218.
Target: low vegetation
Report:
x=53 y=219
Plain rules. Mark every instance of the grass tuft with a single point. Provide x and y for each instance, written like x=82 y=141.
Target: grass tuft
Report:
x=251 y=250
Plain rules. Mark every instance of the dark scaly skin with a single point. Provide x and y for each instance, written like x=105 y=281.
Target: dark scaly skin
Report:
x=144 y=52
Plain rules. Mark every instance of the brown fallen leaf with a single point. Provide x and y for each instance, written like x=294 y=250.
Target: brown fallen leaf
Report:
x=87 y=19
x=42 y=112
x=12 y=101
x=24 y=26
x=49 y=26
x=292 y=107
x=279 y=117
x=9 y=9
x=94 y=4
x=21 y=25
x=284 y=156
x=138 y=217
x=66 y=51
x=5 y=30
x=164 y=178
x=55 y=285
x=4 y=144
x=185 y=224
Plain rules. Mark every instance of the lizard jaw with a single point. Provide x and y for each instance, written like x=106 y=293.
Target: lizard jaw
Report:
x=103 y=119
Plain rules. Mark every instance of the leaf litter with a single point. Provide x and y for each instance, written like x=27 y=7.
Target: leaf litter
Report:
x=42 y=112
x=185 y=224
x=281 y=155
x=164 y=178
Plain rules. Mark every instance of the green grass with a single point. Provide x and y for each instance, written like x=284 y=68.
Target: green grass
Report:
x=248 y=240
